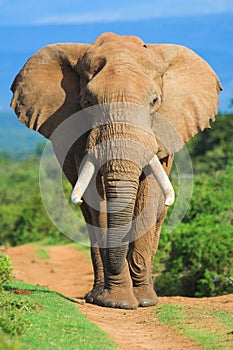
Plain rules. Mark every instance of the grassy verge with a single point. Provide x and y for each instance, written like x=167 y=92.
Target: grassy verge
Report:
x=42 y=253
x=50 y=321
x=211 y=329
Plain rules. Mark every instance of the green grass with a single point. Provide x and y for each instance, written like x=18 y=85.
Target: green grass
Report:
x=211 y=329
x=55 y=323
x=42 y=253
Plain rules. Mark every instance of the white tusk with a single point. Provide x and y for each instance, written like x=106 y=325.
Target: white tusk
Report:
x=83 y=181
x=163 y=180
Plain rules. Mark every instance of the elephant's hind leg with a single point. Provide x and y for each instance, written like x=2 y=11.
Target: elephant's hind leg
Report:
x=98 y=285
x=139 y=260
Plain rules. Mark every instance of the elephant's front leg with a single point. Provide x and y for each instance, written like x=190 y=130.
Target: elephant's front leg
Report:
x=118 y=288
x=145 y=237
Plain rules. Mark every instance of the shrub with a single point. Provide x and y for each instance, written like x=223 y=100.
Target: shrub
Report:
x=199 y=262
x=23 y=218
x=12 y=319
x=5 y=270
x=199 y=259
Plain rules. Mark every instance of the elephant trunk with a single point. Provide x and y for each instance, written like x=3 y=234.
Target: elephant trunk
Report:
x=121 y=191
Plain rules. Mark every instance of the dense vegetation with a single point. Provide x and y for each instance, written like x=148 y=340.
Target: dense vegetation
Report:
x=22 y=216
x=195 y=259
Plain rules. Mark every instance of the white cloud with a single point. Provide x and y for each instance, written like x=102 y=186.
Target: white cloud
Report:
x=74 y=11
x=79 y=18
x=139 y=11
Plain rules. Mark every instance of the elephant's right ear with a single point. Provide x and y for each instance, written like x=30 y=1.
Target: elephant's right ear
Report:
x=46 y=90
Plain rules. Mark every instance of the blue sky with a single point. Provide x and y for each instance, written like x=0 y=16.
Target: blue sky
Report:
x=206 y=26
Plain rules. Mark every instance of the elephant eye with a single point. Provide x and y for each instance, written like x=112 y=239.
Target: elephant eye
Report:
x=96 y=71
x=154 y=101
x=99 y=67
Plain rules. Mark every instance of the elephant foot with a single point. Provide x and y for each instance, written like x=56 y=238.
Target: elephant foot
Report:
x=120 y=298
x=90 y=296
x=145 y=295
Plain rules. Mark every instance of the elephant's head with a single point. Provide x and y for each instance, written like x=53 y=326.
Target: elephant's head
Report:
x=176 y=90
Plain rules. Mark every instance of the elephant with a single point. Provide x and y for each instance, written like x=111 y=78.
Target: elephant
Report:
x=136 y=104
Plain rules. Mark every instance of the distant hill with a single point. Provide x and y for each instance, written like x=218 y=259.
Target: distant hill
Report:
x=15 y=138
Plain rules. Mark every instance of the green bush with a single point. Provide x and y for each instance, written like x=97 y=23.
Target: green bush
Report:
x=23 y=218
x=211 y=149
x=196 y=258
x=5 y=270
x=12 y=318
x=199 y=257
x=199 y=262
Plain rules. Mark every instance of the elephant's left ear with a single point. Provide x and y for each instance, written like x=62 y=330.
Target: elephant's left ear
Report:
x=190 y=91
x=46 y=90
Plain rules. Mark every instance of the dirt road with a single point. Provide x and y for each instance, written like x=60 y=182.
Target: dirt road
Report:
x=69 y=271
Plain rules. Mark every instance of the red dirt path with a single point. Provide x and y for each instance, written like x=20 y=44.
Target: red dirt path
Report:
x=69 y=271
